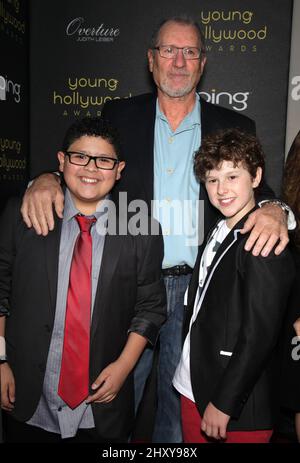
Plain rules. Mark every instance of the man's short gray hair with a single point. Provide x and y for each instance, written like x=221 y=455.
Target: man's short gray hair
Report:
x=181 y=19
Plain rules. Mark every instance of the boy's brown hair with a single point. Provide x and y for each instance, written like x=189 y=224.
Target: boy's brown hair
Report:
x=228 y=145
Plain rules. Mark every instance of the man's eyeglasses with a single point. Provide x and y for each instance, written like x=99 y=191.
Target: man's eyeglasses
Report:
x=170 y=51
x=82 y=159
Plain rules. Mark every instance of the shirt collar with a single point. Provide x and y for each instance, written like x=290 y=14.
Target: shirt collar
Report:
x=191 y=119
x=70 y=210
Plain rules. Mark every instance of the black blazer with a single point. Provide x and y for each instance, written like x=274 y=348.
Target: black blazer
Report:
x=134 y=118
x=243 y=302
x=130 y=296
x=289 y=380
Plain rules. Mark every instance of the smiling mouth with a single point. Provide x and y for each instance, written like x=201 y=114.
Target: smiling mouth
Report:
x=89 y=181
x=226 y=201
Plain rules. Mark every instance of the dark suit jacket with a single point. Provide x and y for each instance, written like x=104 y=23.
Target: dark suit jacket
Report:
x=289 y=380
x=130 y=296
x=135 y=119
x=243 y=302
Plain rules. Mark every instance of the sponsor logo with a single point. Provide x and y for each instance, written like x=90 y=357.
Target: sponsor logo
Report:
x=7 y=144
x=12 y=167
x=78 y=29
x=233 y=30
x=237 y=101
x=85 y=95
x=295 y=94
x=8 y=87
x=8 y=164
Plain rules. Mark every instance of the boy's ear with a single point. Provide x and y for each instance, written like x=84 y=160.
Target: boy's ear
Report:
x=61 y=160
x=121 y=166
x=257 y=178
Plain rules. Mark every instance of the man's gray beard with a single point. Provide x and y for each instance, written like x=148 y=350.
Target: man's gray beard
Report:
x=180 y=92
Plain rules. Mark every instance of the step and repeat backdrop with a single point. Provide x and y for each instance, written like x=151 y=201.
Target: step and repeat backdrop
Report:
x=85 y=53
x=14 y=95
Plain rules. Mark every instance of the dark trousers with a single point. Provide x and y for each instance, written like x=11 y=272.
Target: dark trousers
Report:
x=17 y=432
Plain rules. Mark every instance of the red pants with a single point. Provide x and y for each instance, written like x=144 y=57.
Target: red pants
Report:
x=191 y=427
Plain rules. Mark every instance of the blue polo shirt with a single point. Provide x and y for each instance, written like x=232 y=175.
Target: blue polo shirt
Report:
x=176 y=190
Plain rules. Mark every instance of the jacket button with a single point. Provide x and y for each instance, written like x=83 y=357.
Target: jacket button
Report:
x=47 y=328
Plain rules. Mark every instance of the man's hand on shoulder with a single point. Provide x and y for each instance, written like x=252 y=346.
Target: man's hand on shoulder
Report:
x=267 y=225
x=37 y=210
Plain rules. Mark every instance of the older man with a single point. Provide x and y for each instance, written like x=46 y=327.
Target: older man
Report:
x=160 y=133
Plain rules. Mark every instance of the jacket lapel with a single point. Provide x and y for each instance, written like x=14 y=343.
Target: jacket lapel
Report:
x=146 y=136
x=226 y=244
x=52 y=243
x=193 y=286
x=111 y=253
x=230 y=239
x=207 y=123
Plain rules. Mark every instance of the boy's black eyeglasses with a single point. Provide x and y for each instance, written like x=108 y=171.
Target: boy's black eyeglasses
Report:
x=82 y=159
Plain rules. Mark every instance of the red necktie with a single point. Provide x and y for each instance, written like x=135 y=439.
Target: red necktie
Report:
x=73 y=385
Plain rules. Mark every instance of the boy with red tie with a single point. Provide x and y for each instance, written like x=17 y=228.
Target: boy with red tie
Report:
x=83 y=301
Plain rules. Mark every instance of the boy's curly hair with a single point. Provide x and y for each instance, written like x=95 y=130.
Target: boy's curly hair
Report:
x=228 y=145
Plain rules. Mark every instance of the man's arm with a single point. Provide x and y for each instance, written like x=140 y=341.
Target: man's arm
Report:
x=267 y=226
x=41 y=196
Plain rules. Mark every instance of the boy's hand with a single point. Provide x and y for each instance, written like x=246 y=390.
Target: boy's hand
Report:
x=214 y=422
x=109 y=382
x=36 y=210
x=7 y=381
x=267 y=225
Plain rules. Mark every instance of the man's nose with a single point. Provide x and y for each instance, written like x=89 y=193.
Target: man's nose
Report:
x=179 y=60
